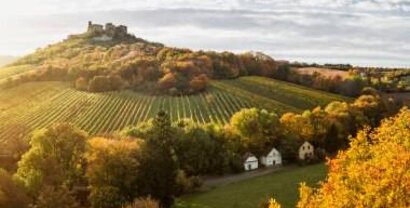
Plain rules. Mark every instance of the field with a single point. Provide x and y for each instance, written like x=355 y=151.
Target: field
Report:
x=323 y=71
x=282 y=185
x=36 y=105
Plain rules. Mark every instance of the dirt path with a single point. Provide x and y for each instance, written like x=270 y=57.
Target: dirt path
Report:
x=212 y=182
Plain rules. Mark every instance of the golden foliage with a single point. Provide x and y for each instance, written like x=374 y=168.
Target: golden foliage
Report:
x=373 y=172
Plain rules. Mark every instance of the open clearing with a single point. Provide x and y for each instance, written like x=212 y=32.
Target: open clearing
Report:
x=323 y=71
x=282 y=185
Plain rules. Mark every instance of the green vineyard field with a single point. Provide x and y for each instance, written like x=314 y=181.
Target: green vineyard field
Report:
x=37 y=105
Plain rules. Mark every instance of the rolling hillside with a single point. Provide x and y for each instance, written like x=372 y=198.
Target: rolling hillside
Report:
x=39 y=104
x=4 y=60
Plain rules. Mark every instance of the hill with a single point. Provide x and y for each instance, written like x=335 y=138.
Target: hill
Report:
x=40 y=104
x=109 y=59
x=4 y=60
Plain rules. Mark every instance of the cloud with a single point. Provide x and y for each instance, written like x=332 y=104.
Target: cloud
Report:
x=365 y=32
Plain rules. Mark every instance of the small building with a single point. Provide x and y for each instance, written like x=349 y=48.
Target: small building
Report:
x=272 y=158
x=306 y=150
x=250 y=162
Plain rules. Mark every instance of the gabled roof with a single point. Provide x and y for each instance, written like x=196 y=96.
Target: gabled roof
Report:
x=306 y=142
x=265 y=153
x=248 y=155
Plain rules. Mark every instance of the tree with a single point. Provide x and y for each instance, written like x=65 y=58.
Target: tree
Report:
x=198 y=153
x=112 y=166
x=372 y=107
x=259 y=129
x=51 y=197
x=11 y=194
x=299 y=125
x=56 y=158
x=158 y=166
x=373 y=172
x=15 y=147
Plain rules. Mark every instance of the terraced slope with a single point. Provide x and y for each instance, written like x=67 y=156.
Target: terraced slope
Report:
x=40 y=104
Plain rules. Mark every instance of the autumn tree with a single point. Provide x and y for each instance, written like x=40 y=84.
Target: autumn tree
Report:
x=299 y=125
x=372 y=107
x=112 y=166
x=373 y=172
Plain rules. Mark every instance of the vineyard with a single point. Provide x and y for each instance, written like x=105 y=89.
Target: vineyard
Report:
x=37 y=105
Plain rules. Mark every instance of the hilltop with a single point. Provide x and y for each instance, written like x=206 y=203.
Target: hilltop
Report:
x=109 y=58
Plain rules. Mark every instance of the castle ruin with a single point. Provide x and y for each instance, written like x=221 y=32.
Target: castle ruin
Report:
x=110 y=30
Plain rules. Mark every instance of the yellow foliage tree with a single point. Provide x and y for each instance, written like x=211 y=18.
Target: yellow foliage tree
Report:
x=373 y=172
x=298 y=125
x=273 y=203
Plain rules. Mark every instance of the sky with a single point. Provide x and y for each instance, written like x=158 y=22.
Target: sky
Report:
x=359 y=32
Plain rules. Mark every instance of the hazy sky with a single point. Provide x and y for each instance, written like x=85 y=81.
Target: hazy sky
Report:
x=362 y=32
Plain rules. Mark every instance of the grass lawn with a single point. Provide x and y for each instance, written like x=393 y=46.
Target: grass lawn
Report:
x=282 y=185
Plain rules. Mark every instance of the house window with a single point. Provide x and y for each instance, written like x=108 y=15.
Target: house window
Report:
x=303 y=148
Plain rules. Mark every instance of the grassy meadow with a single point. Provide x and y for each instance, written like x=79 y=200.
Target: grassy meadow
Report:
x=282 y=185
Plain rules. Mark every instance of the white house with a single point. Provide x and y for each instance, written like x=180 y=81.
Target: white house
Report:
x=306 y=150
x=272 y=158
x=250 y=162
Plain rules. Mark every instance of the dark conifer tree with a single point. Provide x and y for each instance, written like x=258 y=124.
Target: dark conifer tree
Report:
x=158 y=162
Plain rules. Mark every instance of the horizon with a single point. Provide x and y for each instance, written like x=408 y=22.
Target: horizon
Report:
x=361 y=33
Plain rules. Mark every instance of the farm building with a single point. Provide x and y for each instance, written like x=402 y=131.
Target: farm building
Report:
x=272 y=158
x=250 y=162
x=306 y=150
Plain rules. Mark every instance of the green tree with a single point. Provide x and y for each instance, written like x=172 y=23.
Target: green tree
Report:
x=199 y=153
x=259 y=129
x=158 y=166
x=56 y=158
